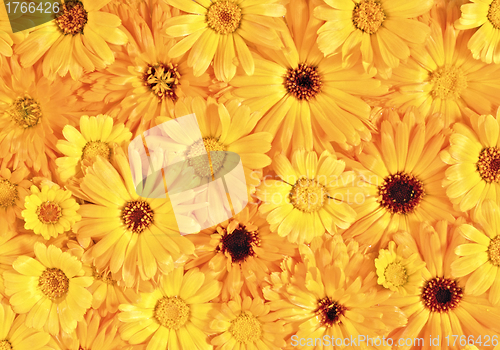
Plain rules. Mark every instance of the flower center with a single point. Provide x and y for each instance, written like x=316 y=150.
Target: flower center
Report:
x=137 y=216
x=494 y=14
x=73 y=17
x=96 y=148
x=308 y=195
x=172 y=312
x=53 y=283
x=329 y=311
x=448 y=82
x=5 y=345
x=441 y=294
x=224 y=17
x=303 y=82
x=494 y=251
x=401 y=193
x=8 y=193
x=49 y=212
x=246 y=328
x=395 y=273
x=239 y=244
x=25 y=112
x=488 y=164
x=162 y=79
x=368 y=16
x=197 y=154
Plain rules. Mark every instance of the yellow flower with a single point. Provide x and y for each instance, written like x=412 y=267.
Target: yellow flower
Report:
x=96 y=136
x=474 y=156
x=380 y=31
x=247 y=323
x=480 y=256
x=49 y=289
x=14 y=187
x=50 y=212
x=75 y=41
x=310 y=197
x=175 y=315
x=220 y=30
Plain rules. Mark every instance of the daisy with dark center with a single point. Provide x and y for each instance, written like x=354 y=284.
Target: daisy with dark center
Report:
x=241 y=252
x=402 y=174
x=219 y=31
x=49 y=289
x=14 y=187
x=380 y=31
x=307 y=100
x=439 y=306
x=474 y=159
x=77 y=41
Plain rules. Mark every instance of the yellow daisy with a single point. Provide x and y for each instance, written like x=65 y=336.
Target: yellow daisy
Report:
x=220 y=31
x=49 y=289
x=444 y=77
x=380 y=31
x=310 y=198
x=474 y=159
x=144 y=81
x=14 y=187
x=75 y=41
x=175 y=315
x=402 y=174
x=247 y=323
x=398 y=269
x=480 y=256
x=50 y=211
x=241 y=252
x=307 y=100
x=14 y=335
x=96 y=136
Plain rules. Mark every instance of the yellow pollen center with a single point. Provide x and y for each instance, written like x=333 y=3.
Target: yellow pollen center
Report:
x=447 y=82
x=162 y=79
x=73 y=17
x=25 y=112
x=308 y=195
x=49 y=212
x=8 y=193
x=246 y=328
x=395 y=273
x=53 y=283
x=494 y=251
x=5 y=345
x=204 y=163
x=96 y=148
x=494 y=13
x=368 y=16
x=171 y=312
x=488 y=164
x=224 y=17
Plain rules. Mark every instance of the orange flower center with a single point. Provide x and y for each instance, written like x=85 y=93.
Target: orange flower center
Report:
x=206 y=164
x=308 y=195
x=494 y=251
x=448 y=82
x=53 y=283
x=239 y=244
x=329 y=311
x=5 y=345
x=162 y=79
x=441 y=294
x=73 y=17
x=494 y=14
x=368 y=16
x=8 y=193
x=49 y=212
x=172 y=312
x=401 y=193
x=224 y=17
x=137 y=216
x=96 y=148
x=303 y=82
x=488 y=164
x=25 y=112
x=246 y=328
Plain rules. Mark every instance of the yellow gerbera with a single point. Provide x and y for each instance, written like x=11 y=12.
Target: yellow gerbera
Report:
x=49 y=289
x=14 y=187
x=76 y=40
x=380 y=31
x=96 y=136
x=241 y=252
x=310 y=198
x=306 y=99
x=175 y=315
x=474 y=156
x=219 y=30
x=480 y=257
x=248 y=324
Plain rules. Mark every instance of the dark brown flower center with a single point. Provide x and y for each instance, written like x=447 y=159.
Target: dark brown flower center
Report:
x=137 y=216
x=73 y=17
x=401 y=193
x=239 y=244
x=303 y=82
x=329 y=311
x=162 y=79
x=488 y=164
x=441 y=294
